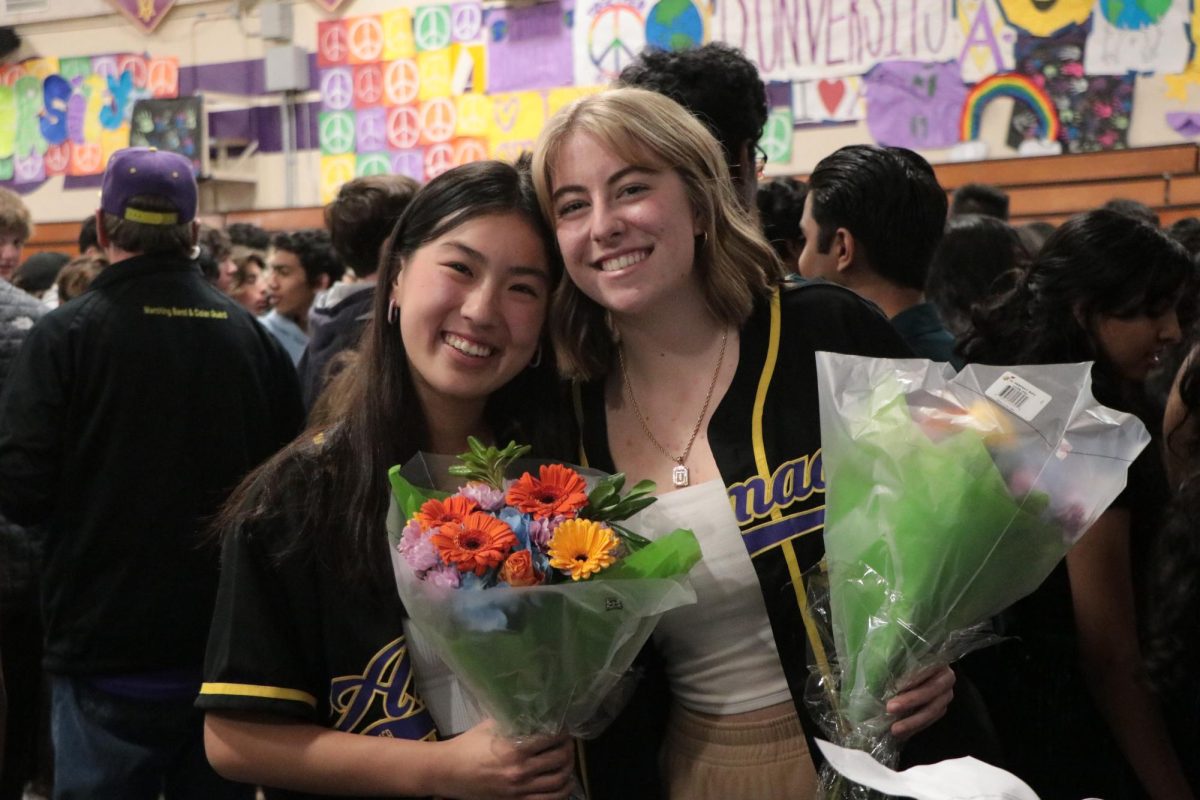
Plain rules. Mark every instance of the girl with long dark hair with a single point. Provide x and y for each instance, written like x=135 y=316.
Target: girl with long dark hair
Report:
x=313 y=681
x=1068 y=693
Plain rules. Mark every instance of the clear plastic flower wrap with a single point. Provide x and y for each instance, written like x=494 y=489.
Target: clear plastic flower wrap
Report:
x=948 y=498
x=542 y=620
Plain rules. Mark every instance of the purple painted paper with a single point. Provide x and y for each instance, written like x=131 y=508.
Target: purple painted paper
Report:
x=913 y=104
x=1185 y=123
x=410 y=163
x=370 y=128
x=779 y=94
x=337 y=88
x=528 y=48
x=466 y=22
x=145 y=15
x=29 y=169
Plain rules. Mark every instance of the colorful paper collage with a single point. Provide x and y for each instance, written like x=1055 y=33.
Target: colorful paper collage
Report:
x=421 y=89
x=1094 y=111
x=410 y=91
x=65 y=117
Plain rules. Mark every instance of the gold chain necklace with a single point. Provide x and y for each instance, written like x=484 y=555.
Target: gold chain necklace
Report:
x=679 y=475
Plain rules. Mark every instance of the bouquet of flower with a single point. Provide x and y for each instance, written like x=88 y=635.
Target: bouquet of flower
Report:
x=949 y=498
x=529 y=589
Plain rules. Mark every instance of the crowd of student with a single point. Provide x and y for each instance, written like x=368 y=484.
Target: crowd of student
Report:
x=202 y=574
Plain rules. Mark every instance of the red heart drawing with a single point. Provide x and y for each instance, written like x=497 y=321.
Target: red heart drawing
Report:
x=831 y=93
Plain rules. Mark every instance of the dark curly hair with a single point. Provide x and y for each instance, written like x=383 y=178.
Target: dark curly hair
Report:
x=1100 y=263
x=780 y=206
x=314 y=249
x=718 y=84
x=975 y=251
x=362 y=216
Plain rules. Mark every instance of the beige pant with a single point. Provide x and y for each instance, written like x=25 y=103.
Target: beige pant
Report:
x=759 y=760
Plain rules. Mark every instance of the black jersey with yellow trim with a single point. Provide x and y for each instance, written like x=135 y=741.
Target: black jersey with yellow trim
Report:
x=765 y=436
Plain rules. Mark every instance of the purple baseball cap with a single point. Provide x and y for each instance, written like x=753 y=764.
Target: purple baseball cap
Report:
x=149 y=171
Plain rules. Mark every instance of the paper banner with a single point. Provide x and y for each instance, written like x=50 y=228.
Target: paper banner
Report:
x=1094 y=112
x=470 y=68
x=336 y=86
x=438 y=158
x=45 y=67
x=528 y=48
x=410 y=163
x=438 y=118
x=466 y=23
x=468 y=150
x=364 y=40
x=398 y=41
x=777 y=136
x=431 y=27
x=333 y=48
x=162 y=78
x=368 y=85
x=474 y=115
x=914 y=105
x=828 y=100
x=517 y=118
x=435 y=70
x=370 y=164
x=403 y=127
x=1041 y=18
x=1185 y=123
x=1138 y=36
x=335 y=132
x=988 y=40
x=370 y=130
x=607 y=37
x=334 y=171
x=8 y=121
x=401 y=82
x=792 y=40
x=677 y=25
x=146 y=14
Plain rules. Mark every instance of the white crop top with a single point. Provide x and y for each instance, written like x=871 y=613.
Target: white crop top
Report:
x=720 y=652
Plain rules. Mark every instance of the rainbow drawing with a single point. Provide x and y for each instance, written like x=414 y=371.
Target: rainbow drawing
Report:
x=1020 y=88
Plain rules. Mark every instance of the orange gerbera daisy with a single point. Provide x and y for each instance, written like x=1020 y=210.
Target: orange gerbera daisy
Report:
x=557 y=491
x=582 y=547
x=436 y=513
x=477 y=544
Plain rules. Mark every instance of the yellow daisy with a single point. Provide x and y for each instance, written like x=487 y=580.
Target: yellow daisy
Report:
x=582 y=547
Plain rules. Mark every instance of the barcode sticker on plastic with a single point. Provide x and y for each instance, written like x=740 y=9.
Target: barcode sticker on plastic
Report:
x=1019 y=396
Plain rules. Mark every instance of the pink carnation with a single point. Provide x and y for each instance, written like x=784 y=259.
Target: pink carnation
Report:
x=443 y=575
x=540 y=530
x=486 y=497
x=417 y=548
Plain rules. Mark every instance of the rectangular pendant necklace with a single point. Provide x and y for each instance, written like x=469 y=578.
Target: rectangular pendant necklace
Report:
x=679 y=476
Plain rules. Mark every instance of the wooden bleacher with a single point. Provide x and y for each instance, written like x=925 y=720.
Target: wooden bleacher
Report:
x=1049 y=188
x=1052 y=188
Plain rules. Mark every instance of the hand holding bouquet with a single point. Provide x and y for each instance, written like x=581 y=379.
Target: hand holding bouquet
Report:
x=948 y=499
x=530 y=590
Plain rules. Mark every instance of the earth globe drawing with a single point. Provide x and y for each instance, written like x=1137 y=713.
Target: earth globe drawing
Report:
x=675 y=25
x=1134 y=15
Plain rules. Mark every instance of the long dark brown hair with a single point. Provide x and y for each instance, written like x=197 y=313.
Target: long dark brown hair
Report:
x=330 y=485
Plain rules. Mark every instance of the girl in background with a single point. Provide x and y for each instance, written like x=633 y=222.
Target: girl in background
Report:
x=1068 y=694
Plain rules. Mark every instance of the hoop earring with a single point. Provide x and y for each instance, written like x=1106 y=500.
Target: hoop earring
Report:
x=393 y=315
x=195 y=252
x=537 y=357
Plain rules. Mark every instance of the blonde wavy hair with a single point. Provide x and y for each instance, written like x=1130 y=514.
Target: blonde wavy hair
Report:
x=735 y=263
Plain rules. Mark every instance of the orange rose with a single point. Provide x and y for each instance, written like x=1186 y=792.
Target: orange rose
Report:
x=518 y=570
